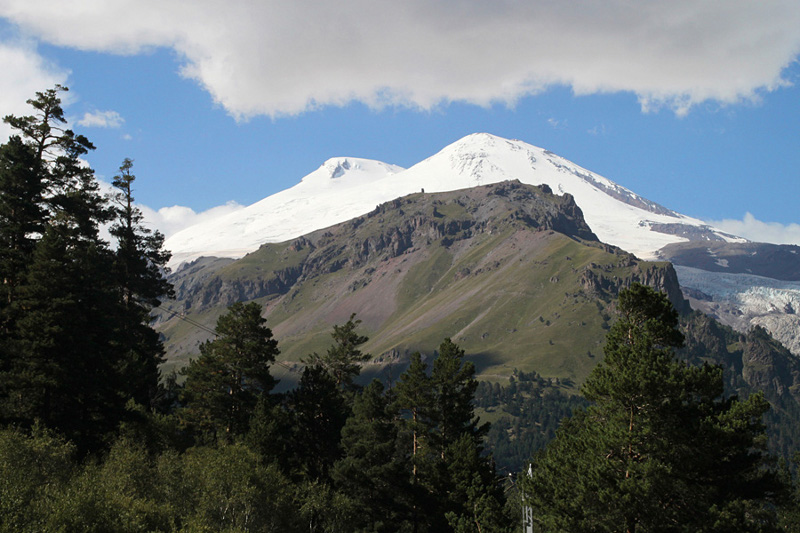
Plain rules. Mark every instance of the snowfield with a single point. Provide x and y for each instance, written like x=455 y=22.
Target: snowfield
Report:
x=346 y=187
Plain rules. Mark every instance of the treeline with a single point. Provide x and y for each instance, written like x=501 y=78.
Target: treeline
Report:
x=230 y=456
x=93 y=441
x=91 y=438
x=532 y=408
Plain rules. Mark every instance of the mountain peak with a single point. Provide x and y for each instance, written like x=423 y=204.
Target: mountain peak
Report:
x=337 y=168
x=347 y=187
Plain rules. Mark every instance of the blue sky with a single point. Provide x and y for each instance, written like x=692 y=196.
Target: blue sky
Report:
x=693 y=105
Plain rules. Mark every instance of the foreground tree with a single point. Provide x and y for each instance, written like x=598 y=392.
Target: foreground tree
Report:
x=139 y=268
x=342 y=358
x=224 y=383
x=59 y=362
x=659 y=450
x=371 y=472
x=453 y=484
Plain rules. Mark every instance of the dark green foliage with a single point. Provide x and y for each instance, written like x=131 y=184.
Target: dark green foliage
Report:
x=534 y=408
x=658 y=451
x=371 y=472
x=318 y=412
x=65 y=363
x=453 y=483
x=453 y=384
x=139 y=267
x=75 y=341
x=21 y=216
x=224 y=383
x=342 y=359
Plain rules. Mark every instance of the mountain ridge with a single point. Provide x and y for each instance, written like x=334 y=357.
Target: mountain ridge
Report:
x=511 y=271
x=344 y=188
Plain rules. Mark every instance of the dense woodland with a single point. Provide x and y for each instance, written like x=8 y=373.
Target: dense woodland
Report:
x=93 y=438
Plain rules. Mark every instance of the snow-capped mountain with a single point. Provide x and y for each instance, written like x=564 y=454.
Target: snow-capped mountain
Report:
x=344 y=188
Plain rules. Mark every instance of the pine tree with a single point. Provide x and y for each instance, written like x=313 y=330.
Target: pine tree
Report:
x=414 y=398
x=139 y=267
x=224 y=383
x=342 y=358
x=453 y=384
x=453 y=483
x=659 y=450
x=371 y=472
x=318 y=412
x=65 y=364
x=21 y=216
x=59 y=363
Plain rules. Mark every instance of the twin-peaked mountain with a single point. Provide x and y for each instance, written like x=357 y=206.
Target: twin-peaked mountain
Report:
x=511 y=272
x=523 y=277
x=345 y=188
x=742 y=284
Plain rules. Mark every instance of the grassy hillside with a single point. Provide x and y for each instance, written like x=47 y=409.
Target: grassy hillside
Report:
x=510 y=272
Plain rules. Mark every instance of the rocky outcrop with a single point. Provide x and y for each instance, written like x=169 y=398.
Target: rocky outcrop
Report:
x=768 y=366
x=598 y=280
x=220 y=291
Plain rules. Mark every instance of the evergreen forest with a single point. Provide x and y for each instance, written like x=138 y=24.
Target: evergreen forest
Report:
x=94 y=438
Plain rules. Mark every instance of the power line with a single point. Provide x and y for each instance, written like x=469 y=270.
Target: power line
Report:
x=182 y=316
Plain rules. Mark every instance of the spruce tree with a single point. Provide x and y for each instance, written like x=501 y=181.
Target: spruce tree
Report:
x=139 y=268
x=224 y=383
x=659 y=450
x=372 y=472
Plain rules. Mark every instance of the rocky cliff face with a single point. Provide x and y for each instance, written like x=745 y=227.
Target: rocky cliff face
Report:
x=392 y=229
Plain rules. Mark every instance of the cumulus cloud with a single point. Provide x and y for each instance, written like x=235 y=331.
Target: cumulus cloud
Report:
x=755 y=230
x=170 y=220
x=279 y=57
x=101 y=119
x=24 y=73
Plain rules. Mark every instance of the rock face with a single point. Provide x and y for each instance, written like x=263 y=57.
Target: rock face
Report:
x=509 y=270
x=389 y=231
x=768 y=367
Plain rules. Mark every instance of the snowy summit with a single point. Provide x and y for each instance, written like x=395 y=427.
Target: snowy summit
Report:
x=344 y=188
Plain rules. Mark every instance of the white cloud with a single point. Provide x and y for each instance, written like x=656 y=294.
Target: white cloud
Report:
x=170 y=220
x=282 y=56
x=101 y=119
x=755 y=230
x=23 y=73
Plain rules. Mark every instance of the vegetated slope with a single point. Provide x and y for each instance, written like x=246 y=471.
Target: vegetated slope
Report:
x=344 y=188
x=511 y=272
x=526 y=411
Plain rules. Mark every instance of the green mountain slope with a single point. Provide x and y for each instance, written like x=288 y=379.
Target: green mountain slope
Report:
x=511 y=272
